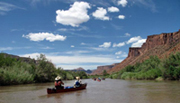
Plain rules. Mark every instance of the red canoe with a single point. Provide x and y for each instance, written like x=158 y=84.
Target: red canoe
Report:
x=53 y=90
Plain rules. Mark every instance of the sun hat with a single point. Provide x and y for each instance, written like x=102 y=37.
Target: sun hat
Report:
x=57 y=78
x=77 y=78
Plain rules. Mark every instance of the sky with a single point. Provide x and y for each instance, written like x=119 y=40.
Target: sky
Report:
x=83 y=33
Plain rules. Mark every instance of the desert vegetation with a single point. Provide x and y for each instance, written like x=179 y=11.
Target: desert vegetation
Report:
x=152 y=68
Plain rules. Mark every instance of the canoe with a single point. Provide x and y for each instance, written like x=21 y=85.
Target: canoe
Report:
x=53 y=90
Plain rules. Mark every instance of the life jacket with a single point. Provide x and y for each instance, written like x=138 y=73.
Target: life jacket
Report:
x=77 y=84
x=57 y=83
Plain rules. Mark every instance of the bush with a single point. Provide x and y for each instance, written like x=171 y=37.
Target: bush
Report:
x=170 y=67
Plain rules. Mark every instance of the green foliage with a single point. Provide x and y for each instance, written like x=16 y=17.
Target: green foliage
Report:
x=6 y=60
x=105 y=73
x=13 y=71
x=46 y=70
x=69 y=75
x=17 y=74
x=152 y=68
x=171 y=67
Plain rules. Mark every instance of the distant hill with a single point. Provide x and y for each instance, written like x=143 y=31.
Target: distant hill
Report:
x=23 y=59
x=81 y=69
x=100 y=69
x=161 y=45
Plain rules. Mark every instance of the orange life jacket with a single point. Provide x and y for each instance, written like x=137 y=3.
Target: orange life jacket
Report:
x=58 y=83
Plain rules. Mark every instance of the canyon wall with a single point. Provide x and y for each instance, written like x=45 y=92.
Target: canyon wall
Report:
x=161 y=45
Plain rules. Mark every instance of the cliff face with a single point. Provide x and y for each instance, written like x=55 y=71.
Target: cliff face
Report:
x=161 y=45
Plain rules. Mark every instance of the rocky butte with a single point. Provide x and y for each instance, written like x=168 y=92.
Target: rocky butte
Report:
x=160 y=45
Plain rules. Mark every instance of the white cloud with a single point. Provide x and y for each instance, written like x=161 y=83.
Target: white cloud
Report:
x=79 y=60
x=99 y=49
x=122 y=2
x=13 y=48
x=138 y=43
x=77 y=52
x=6 y=7
x=149 y=4
x=121 y=54
x=72 y=46
x=118 y=53
x=81 y=28
x=83 y=43
x=127 y=34
x=121 y=17
x=76 y=15
x=44 y=36
x=134 y=39
x=100 y=13
x=62 y=29
x=5 y=48
x=113 y=9
x=119 y=44
x=47 y=48
x=105 y=45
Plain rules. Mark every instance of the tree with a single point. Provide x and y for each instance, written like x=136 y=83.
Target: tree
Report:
x=105 y=73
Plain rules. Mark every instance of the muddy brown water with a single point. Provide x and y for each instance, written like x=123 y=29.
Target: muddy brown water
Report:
x=106 y=91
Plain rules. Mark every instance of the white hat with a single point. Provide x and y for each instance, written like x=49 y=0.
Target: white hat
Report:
x=77 y=78
x=57 y=78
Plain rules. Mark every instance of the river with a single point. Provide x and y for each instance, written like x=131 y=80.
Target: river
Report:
x=106 y=91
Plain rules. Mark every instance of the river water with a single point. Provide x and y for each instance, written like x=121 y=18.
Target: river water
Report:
x=106 y=91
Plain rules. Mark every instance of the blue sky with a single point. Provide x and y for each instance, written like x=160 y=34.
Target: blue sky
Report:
x=83 y=33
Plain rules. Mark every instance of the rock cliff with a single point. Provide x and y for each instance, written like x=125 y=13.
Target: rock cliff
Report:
x=161 y=45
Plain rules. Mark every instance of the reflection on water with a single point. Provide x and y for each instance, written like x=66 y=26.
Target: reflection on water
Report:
x=106 y=91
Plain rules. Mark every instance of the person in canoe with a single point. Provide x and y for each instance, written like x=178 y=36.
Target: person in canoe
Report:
x=58 y=83
x=77 y=83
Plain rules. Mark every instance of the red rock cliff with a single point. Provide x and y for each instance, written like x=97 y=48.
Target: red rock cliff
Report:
x=161 y=45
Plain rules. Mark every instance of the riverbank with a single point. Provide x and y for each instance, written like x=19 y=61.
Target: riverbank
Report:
x=152 y=69
x=14 y=71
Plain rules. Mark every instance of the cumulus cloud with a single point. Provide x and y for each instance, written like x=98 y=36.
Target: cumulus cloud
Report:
x=113 y=9
x=72 y=46
x=105 y=45
x=121 y=17
x=133 y=39
x=76 y=15
x=44 y=36
x=119 y=44
x=138 y=43
x=100 y=13
x=122 y=2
